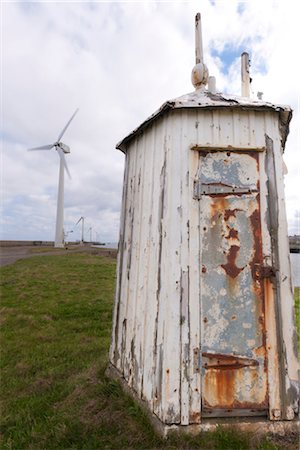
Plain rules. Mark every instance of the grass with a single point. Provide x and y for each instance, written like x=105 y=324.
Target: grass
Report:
x=56 y=316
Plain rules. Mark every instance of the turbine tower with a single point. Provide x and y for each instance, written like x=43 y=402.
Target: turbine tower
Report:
x=61 y=149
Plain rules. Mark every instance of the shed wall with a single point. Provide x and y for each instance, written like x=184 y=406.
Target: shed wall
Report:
x=157 y=318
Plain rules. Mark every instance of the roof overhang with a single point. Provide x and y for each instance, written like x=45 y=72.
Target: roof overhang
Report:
x=207 y=100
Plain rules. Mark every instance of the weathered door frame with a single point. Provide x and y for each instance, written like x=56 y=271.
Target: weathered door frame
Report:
x=278 y=406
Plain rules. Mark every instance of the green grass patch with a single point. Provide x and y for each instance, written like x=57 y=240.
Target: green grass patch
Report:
x=51 y=249
x=56 y=314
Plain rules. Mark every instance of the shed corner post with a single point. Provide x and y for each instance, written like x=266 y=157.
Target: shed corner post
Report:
x=287 y=391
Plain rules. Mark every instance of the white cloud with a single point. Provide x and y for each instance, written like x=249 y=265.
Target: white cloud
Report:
x=118 y=62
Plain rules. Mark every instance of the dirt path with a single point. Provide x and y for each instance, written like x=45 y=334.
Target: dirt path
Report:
x=9 y=255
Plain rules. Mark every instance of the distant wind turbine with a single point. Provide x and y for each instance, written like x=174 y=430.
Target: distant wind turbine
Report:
x=61 y=150
x=90 y=230
x=82 y=228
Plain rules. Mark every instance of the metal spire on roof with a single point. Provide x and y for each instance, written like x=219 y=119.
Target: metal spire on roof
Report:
x=200 y=71
x=198 y=39
x=245 y=74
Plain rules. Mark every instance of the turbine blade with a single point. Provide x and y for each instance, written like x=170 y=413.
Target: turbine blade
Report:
x=63 y=159
x=42 y=147
x=78 y=220
x=63 y=131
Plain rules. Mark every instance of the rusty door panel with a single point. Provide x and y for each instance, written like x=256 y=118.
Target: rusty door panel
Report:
x=233 y=339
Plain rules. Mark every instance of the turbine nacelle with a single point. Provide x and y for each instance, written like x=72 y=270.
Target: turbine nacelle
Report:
x=65 y=148
x=61 y=148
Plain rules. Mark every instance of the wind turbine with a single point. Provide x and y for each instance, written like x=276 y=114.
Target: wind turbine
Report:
x=82 y=228
x=61 y=149
x=90 y=230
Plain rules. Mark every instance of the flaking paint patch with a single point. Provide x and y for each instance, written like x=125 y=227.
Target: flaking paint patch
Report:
x=216 y=326
x=229 y=254
x=226 y=168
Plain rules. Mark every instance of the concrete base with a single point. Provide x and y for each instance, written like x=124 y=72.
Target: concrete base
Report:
x=247 y=424
x=257 y=425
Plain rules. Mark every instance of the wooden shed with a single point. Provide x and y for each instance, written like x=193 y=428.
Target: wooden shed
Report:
x=203 y=320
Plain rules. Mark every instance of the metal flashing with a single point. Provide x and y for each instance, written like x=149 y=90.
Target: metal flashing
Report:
x=203 y=99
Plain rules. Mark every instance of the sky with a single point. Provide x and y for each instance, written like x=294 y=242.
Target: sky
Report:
x=118 y=62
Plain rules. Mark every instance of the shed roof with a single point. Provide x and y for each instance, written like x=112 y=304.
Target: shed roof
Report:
x=204 y=99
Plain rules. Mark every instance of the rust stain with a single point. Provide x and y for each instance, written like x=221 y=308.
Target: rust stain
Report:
x=256 y=265
x=227 y=366
x=259 y=282
x=195 y=417
x=260 y=351
x=206 y=150
x=225 y=194
x=220 y=387
x=257 y=257
x=268 y=297
x=225 y=385
x=267 y=272
x=230 y=267
x=232 y=234
x=167 y=384
x=229 y=360
x=230 y=213
x=218 y=206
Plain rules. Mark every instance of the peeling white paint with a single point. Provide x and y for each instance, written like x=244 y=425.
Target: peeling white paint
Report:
x=159 y=318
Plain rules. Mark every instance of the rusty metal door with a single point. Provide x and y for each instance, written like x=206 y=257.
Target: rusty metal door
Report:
x=234 y=378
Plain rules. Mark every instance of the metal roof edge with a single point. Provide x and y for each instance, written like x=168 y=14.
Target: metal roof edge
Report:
x=121 y=145
x=207 y=100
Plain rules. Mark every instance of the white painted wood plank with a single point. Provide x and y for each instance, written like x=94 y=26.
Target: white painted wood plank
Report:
x=114 y=354
x=194 y=282
x=226 y=127
x=183 y=159
x=154 y=340
x=154 y=163
x=236 y=127
x=204 y=127
x=244 y=128
x=127 y=322
x=216 y=139
x=169 y=321
x=132 y=313
x=160 y=298
x=138 y=299
x=253 y=129
x=123 y=271
x=259 y=125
